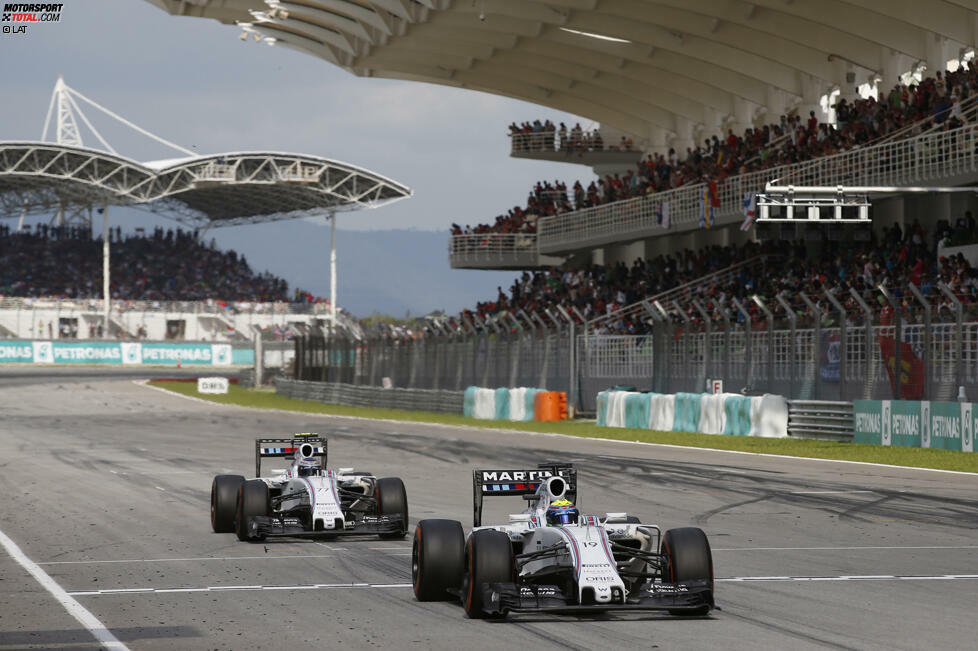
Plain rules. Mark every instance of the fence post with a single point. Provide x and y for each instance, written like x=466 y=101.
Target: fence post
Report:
x=514 y=354
x=686 y=326
x=817 y=313
x=748 y=352
x=571 y=362
x=868 y=380
x=792 y=351
x=843 y=342
x=897 y=341
x=770 y=339
x=544 y=368
x=722 y=309
x=927 y=339
x=958 y=335
x=708 y=345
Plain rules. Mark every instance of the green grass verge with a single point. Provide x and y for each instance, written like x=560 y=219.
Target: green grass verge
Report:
x=897 y=456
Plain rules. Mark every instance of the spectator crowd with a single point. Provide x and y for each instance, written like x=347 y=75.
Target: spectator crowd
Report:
x=168 y=265
x=894 y=258
x=903 y=112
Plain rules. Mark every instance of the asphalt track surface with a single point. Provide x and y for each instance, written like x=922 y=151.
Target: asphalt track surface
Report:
x=106 y=488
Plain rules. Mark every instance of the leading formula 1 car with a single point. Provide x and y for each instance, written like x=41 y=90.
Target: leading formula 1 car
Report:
x=570 y=564
x=305 y=499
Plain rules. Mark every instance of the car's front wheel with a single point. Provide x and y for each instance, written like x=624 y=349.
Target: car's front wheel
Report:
x=688 y=558
x=392 y=500
x=437 y=559
x=488 y=559
x=253 y=500
x=224 y=495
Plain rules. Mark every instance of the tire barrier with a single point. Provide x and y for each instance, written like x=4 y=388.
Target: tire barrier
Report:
x=350 y=395
x=725 y=413
x=520 y=404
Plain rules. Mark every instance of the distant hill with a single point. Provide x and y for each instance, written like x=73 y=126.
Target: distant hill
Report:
x=390 y=272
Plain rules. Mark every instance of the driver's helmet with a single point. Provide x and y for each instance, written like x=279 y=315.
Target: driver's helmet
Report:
x=562 y=512
x=308 y=466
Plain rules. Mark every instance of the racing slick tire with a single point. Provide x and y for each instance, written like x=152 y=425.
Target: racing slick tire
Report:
x=392 y=500
x=253 y=499
x=488 y=559
x=224 y=496
x=688 y=558
x=437 y=559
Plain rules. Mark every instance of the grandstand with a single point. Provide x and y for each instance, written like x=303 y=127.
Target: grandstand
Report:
x=700 y=104
x=70 y=181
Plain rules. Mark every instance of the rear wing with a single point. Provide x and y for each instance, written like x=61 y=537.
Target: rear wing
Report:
x=497 y=483
x=282 y=448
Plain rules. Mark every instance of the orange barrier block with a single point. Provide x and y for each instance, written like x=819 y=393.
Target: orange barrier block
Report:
x=550 y=406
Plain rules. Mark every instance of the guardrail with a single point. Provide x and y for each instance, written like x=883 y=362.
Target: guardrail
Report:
x=334 y=393
x=941 y=155
x=820 y=419
x=195 y=307
x=494 y=250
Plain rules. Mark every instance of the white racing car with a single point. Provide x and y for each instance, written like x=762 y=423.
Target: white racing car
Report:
x=550 y=558
x=305 y=499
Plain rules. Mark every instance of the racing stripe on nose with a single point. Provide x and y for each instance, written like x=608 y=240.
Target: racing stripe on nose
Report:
x=574 y=550
x=606 y=546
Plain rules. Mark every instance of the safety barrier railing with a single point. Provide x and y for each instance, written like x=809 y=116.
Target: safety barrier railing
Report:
x=929 y=157
x=822 y=419
x=493 y=250
x=336 y=393
x=209 y=306
x=551 y=141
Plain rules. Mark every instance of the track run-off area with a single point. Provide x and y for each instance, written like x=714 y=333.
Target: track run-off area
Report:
x=107 y=540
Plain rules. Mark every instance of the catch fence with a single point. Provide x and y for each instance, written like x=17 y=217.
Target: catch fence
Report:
x=801 y=363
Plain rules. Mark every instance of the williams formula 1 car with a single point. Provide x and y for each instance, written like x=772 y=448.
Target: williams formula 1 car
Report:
x=305 y=499
x=550 y=558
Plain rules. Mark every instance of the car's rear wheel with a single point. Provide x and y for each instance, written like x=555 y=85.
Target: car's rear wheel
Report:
x=253 y=500
x=437 y=559
x=688 y=558
x=392 y=500
x=224 y=495
x=488 y=559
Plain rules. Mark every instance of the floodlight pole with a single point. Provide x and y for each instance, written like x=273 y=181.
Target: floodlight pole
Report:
x=106 y=291
x=331 y=216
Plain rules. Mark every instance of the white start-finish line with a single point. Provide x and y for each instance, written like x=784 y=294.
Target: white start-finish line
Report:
x=75 y=609
x=366 y=586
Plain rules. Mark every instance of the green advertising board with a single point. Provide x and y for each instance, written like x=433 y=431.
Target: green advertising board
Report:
x=911 y=423
x=124 y=352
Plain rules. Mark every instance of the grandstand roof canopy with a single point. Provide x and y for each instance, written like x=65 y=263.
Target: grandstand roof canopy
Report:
x=217 y=190
x=639 y=65
x=202 y=190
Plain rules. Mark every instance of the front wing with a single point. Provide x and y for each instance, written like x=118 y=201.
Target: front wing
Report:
x=285 y=527
x=501 y=598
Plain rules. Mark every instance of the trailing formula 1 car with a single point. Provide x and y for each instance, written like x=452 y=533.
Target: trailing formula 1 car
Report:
x=550 y=558
x=305 y=499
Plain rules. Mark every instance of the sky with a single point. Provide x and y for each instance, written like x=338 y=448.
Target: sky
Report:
x=193 y=82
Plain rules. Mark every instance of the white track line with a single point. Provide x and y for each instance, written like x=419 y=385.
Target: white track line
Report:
x=866 y=577
x=178 y=560
x=363 y=586
x=819 y=549
x=145 y=383
x=238 y=588
x=75 y=609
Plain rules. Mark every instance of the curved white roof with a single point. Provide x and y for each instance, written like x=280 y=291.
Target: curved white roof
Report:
x=648 y=67
x=216 y=190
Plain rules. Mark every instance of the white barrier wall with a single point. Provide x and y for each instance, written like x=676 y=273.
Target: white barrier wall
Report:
x=728 y=413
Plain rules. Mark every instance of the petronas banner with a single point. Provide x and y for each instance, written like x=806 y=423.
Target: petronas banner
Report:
x=912 y=423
